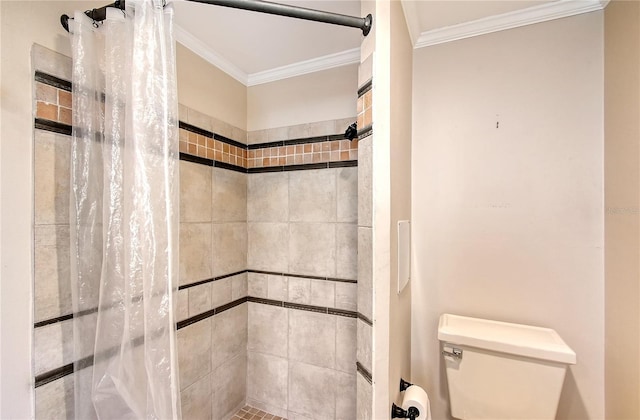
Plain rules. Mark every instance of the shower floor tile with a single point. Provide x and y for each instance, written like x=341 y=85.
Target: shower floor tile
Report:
x=250 y=413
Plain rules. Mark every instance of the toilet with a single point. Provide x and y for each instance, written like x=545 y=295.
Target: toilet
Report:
x=498 y=370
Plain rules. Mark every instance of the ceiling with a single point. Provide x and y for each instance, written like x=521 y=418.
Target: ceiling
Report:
x=256 y=48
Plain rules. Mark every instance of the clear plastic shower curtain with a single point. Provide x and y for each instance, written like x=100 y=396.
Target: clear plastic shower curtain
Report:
x=124 y=213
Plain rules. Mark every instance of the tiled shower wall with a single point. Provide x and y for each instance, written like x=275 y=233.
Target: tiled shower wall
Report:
x=302 y=253
x=291 y=234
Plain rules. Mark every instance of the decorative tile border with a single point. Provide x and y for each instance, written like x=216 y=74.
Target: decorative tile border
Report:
x=334 y=311
x=53 y=101
x=54 y=374
x=365 y=110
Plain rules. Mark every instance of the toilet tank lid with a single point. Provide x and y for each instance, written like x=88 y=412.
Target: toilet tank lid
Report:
x=504 y=337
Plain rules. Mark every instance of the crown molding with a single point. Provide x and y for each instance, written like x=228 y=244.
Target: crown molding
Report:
x=326 y=62
x=410 y=11
x=194 y=44
x=296 y=69
x=529 y=16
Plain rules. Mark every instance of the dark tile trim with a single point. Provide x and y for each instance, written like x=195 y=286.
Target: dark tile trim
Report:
x=52 y=375
x=265 y=145
x=196 y=159
x=265 y=301
x=366 y=87
x=53 y=81
x=294 y=142
x=53 y=126
x=265 y=170
x=194 y=129
x=308 y=308
x=303 y=276
x=63 y=318
x=229 y=166
x=198 y=283
x=342 y=312
x=210 y=313
x=229 y=141
x=303 y=167
x=343 y=164
x=365 y=319
x=364 y=372
x=53 y=321
x=196 y=318
x=365 y=132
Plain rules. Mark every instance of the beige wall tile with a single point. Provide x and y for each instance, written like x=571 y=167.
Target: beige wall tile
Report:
x=195 y=252
x=267 y=379
x=365 y=168
x=347 y=194
x=364 y=400
x=51 y=177
x=239 y=287
x=312 y=391
x=53 y=346
x=220 y=292
x=299 y=290
x=200 y=120
x=322 y=128
x=346 y=395
x=229 y=383
x=312 y=338
x=258 y=286
x=55 y=399
x=277 y=287
x=347 y=251
x=195 y=192
x=268 y=326
x=229 y=248
x=312 y=249
x=312 y=196
x=346 y=296
x=268 y=197
x=182 y=312
x=346 y=335
x=52 y=284
x=267 y=248
x=363 y=345
x=229 y=335
x=196 y=400
x=229 y=202
x=194 y=352
x=365 y=282
x=323 y=293
x=199 y=299
x=257 y=136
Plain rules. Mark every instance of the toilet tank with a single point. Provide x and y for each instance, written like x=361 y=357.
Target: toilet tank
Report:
x=498 y=370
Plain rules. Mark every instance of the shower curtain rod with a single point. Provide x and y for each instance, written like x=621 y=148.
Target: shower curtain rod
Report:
x=364 y=23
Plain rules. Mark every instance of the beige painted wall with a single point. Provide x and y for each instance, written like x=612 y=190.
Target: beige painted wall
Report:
x=622 y=209
x=320 y=96
x=401 y=67
x=209 y=90
x=508 y=194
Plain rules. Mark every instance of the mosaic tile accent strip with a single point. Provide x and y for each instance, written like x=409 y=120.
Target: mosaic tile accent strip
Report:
x=249 y=413
x=53 y=99
x=365 y=101
x=299 y=154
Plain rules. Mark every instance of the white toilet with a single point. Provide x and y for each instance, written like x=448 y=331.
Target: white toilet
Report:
x=497 y=370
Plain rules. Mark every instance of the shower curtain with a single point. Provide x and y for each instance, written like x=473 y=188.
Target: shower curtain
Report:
x=124 y=213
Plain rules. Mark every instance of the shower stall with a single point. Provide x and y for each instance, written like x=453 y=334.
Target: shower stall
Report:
x=263 y=294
